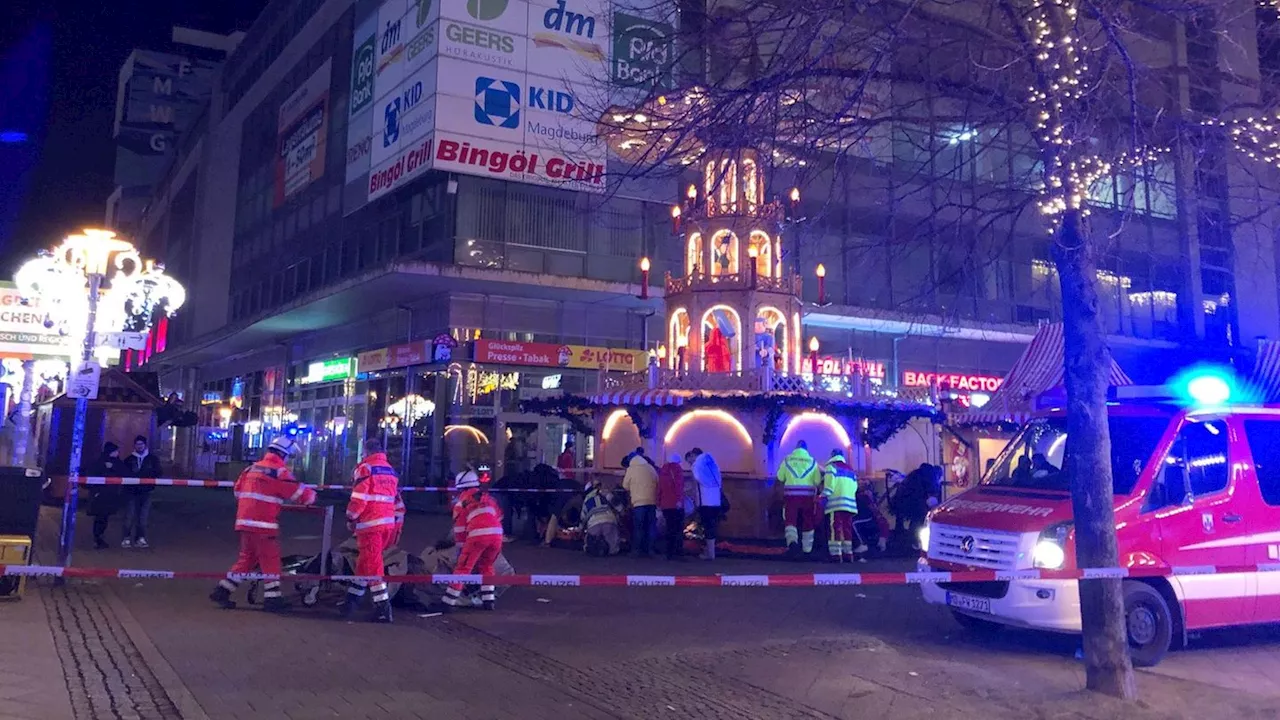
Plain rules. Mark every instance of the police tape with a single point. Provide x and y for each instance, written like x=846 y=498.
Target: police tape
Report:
x=182 y=482
x=788 y=580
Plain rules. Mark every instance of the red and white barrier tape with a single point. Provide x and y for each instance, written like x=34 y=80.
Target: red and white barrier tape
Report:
x=173 y=482
x=702 y=581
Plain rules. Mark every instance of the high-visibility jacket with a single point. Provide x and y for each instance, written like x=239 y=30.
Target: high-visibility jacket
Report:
x=798 y=474
x=475 y=515
x=375 y=498
x=597 y=508
x=841 y=487
x=262 y=489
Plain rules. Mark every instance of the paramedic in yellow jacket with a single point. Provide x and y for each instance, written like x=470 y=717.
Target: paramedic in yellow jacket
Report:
x=801 y=480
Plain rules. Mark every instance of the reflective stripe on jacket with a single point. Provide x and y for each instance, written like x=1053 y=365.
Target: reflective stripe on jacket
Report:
x=798 y=474
x=262 y=489
x=375 y=497
x=596 y=509
x=841 y=487
x=475 y=515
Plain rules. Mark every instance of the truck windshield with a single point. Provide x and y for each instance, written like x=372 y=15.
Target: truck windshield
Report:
x=1034 y=459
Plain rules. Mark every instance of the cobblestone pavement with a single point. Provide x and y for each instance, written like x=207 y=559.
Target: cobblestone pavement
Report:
x=594 y=653
x=105 y=674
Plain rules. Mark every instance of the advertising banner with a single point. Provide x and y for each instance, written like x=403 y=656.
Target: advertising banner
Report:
x=364 y=68
x=301 y=132
x=497 y=88
x=503 y=352
x=643 y=53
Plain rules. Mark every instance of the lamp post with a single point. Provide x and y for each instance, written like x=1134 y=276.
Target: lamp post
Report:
x=92 y=283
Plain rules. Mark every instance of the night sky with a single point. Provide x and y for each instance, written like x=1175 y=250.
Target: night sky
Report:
x=59 y=65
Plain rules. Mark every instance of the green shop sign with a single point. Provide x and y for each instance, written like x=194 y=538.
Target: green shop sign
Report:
x=328 y=371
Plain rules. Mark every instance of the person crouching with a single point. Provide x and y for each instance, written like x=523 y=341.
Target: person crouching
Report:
x=376 y=515
x=477 y=527
x=261 y=490
x=600 y=520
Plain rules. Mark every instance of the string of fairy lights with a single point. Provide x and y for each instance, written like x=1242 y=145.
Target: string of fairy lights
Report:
x=1258 y=138
x=1058 y=95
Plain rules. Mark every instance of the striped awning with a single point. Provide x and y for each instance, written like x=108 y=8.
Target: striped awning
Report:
x=1266 y=371
x=1038 y=371
x=641 y=397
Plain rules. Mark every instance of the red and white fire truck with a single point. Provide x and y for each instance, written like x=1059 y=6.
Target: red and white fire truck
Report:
x=1196 y=489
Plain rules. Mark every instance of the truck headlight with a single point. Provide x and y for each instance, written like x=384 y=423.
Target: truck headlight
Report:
x=1050 y=551
x=923 y=538
x=1049 y=555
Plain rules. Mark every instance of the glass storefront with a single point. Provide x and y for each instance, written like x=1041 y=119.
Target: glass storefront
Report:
x=432 y=418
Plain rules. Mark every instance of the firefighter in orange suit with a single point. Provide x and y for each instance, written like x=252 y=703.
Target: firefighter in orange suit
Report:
x=477 y=528
x=261 y=491
x=376 y=515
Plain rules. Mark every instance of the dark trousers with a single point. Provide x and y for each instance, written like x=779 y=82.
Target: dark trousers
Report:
x=100 y=526
x=710 y=516
x=643 y=520
x=675 y=532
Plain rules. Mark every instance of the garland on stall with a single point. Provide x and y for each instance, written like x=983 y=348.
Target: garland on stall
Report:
x=883 y=419
x=572 y=408
x=637 y=419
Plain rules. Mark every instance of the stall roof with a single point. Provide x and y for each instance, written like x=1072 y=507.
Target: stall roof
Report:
x=1266 y=371
x=117 y=386
x=1039 y=370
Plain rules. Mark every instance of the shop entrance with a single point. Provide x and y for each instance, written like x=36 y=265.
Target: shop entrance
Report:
x=525 y=441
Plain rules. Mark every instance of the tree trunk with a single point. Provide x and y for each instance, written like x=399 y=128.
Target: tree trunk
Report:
x=1088 y=459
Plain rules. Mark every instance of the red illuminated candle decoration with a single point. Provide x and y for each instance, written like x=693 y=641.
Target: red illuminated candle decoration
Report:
x=675 y=219
x=644 y=278
x=692 y=195
x=162 y=333
x=822 y=284
x=753 y=252
x=813 y=355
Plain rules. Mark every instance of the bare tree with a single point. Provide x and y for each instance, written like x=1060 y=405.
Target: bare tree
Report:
x=833 y=91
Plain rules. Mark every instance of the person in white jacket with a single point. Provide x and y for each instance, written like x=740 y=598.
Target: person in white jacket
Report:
x=707 y=475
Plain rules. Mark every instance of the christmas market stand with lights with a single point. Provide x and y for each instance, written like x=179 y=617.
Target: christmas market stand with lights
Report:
x=731 y=376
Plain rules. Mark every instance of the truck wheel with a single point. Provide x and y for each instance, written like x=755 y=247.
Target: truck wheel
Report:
x=975 y=625
x=1148 y=623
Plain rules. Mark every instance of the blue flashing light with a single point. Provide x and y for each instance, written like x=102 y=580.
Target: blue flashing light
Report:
x=12 y=137
x=1209 y=390
x=1205 y=386
x=294 y=430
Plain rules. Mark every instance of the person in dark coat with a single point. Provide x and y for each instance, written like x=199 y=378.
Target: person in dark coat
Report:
x=141 y=464
x=104 y=500
x=913 y=499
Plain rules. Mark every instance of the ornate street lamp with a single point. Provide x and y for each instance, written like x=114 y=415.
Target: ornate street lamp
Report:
x=91 y=284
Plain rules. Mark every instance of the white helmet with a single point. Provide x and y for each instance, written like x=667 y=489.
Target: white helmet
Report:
x=284 y=445
x=466 y=479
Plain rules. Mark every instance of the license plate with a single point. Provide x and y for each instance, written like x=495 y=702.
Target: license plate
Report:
x=970 y=603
